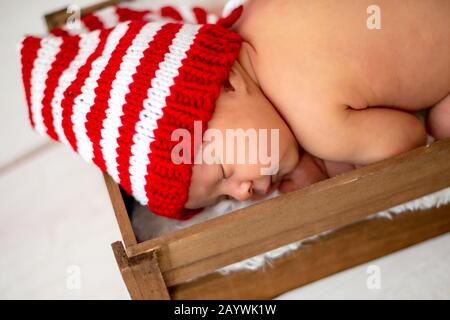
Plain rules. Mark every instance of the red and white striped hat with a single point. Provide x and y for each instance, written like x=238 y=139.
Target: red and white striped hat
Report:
x=116 y=95
x=112 y=15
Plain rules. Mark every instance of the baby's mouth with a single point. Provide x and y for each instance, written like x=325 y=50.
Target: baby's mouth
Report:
x=275 y=181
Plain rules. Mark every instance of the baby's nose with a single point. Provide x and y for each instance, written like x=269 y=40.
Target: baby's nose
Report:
x=243 y=191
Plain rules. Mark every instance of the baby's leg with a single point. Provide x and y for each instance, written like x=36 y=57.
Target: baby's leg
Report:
x=373 y=134
x=438 y=121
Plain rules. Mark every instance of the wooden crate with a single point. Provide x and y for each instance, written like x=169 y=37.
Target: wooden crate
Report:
x=182 y=264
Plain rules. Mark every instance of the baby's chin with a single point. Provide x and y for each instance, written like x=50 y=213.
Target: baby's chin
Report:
x=193 y=204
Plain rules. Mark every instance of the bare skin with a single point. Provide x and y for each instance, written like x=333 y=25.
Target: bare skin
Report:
x=347 y=93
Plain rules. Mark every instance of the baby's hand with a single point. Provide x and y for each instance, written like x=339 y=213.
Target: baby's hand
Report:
x=310 y=170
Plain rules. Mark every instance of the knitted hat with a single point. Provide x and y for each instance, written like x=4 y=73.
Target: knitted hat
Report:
x=116 y=95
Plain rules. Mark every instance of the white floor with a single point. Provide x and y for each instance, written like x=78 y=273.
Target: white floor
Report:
x=57 y=224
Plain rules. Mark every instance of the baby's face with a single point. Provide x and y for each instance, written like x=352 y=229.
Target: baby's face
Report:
x=242 y=106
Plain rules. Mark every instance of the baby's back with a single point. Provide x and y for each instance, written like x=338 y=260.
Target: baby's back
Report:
x=337 y=44
x=342 y=84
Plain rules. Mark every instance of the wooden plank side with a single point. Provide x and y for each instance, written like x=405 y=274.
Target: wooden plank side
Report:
x=202 y=248
x=123 y=220
x=146 y=270
x=141 y=274
x=126 y=272
x=347 y=247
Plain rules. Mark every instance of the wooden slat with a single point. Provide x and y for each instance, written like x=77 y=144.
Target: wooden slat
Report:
x=352 y=245
x=120 y=211
x=149 y=278
x=127 y=274
x=202 y=248
x=141 y=274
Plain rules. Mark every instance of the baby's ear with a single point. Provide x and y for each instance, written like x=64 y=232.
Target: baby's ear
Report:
x=236 y=80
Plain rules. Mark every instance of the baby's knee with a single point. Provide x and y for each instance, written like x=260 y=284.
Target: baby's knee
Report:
x=414 y=135
x=438 y=122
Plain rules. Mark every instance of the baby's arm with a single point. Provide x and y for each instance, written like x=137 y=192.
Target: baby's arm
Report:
x=362 y=136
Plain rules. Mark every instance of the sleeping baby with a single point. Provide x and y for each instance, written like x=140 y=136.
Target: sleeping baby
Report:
x=344 y=92
x=338 y=81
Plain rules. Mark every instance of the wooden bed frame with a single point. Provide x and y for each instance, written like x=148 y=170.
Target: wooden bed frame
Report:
x=183 y=263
